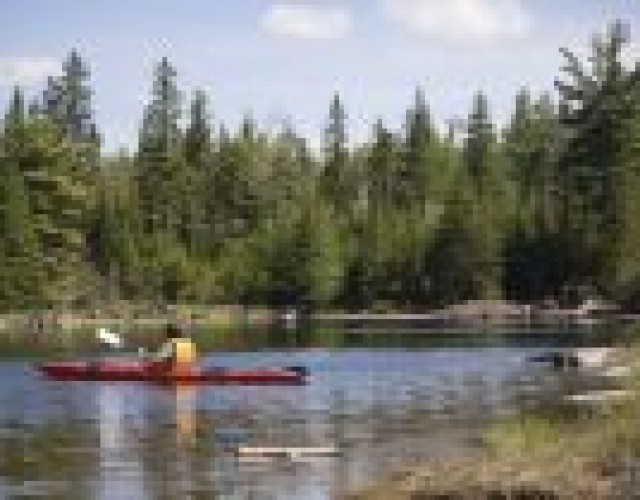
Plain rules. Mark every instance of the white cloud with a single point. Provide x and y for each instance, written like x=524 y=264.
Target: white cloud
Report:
x=461 y=21
x=307 y=21
x=21 y=70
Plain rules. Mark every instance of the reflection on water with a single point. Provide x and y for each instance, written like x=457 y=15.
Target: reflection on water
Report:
x=380 y=408
x=114 y=447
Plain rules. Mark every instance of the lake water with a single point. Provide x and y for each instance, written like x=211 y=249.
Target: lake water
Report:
x=383 y=401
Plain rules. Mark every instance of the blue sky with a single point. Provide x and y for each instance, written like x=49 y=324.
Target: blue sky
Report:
x=283 y=59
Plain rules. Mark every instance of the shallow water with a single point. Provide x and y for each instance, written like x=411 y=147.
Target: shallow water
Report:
x=380 y=407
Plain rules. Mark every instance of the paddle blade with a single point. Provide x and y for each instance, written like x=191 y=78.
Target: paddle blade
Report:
x=109 y=338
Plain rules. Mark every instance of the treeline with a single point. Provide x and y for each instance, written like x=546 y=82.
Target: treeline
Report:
x=547 y=206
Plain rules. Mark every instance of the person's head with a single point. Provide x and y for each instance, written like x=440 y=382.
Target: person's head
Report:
x=173 y=331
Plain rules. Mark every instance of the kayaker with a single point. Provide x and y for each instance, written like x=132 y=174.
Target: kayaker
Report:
x=178 y=348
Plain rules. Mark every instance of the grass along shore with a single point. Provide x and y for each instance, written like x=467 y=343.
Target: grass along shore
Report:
x=575 y=451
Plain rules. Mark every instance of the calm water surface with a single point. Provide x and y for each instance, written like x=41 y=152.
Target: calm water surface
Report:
x=381 y=406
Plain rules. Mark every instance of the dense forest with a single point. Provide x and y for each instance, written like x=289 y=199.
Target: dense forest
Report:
x=547 y=206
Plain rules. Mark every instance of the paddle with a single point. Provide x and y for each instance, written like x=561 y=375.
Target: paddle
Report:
x=113 y=340
x=109 y=338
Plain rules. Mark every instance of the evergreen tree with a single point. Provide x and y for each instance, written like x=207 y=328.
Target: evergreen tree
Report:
x=627 y=266
x=407 y=219
x=58 y=199
x=516 y=140
x=20 y=273
x=300 y=258
x=456 y=261
x=480 y=144
x=160 y=173
x=418 y=134
x=76 y=109
x=232 y=208
x=21 y=280
x=385 y=196
x=15 y=118
x=115 y=235
x=67 y=103
x=383 y=172
x=531 y=249
x=485 y=171
x=198 y=157
x=336 y=178
x=52 y=98
x=594 y=112
x=290 y=175
x=530 y=143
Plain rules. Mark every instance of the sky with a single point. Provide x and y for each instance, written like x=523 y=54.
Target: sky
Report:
x=282 y=60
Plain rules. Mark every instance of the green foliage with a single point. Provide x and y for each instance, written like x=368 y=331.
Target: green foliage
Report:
x=20 y=270
x=232 y=189
x=159 y=165
x=414 y=175
x=410 y=219
x=337 y=181
x=479 y=148
x=56 y=197
x=594 y=112
x=456 y=263
x=198 y=159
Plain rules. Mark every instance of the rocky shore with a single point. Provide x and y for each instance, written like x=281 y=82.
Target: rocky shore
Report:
x=477 y=313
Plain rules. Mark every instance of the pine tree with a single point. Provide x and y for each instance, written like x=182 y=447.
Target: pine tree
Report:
x=418 y=134
x=546 y=138
x=232 y=206
x=485 y=171
x=21 y=281
x=456 y=259
x=336 y=178
x=52 y=98
x=160 y=172
x=300 y=257
x=383 y=172
x=479 y=144
x=529 y=250
x=76 y=108
x=67 y=103
x=627 y=266
x=21 y=276
x=288 y=183
x=530 y=145
x=57 y=198
x=198 y=157
x=594 y=111
x=15 y=117
x=115 y=234
x=516 y=141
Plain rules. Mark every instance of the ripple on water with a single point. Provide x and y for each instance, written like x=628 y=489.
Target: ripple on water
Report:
x=112 y=441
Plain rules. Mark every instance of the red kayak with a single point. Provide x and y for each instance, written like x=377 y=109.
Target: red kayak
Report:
x=161 y=373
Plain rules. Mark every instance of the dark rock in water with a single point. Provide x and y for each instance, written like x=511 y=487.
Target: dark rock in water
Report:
x=558 y=360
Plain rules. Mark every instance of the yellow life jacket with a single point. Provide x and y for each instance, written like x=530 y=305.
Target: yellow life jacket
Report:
x=184 y=351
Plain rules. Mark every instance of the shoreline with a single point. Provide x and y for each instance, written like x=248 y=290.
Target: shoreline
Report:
x=472 y=315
